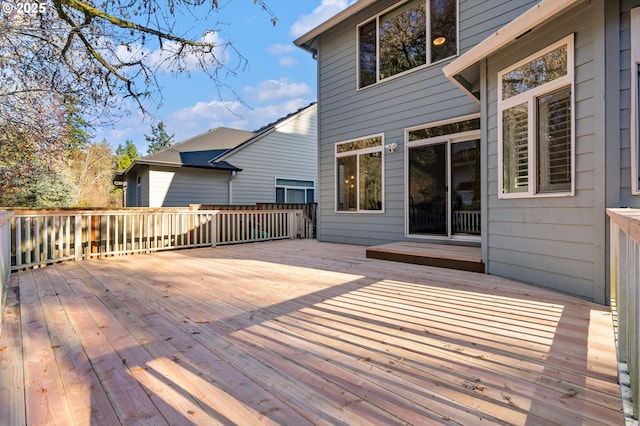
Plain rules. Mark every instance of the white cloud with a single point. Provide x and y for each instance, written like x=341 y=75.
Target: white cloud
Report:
x=279 y=49
x=283 y=88
x=203 y=116
x=326 y=10
x=288 y=61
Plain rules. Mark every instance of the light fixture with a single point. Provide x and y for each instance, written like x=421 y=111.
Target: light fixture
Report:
x=439 y=41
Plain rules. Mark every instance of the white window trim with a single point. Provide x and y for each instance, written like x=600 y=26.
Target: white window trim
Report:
x=393 y=77
x=358 y=152
x=529 y=97
x=286 y=187
x=635 y=100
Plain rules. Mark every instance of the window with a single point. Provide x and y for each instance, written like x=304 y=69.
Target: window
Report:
x=535 y=130
x=359 y=175
x=635 y=100
x=415 y=33
x=295 y=191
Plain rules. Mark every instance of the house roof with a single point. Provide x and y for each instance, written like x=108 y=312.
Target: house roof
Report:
x=464 y=72
x=195 y=152
x=261 y=133
x=210 y=149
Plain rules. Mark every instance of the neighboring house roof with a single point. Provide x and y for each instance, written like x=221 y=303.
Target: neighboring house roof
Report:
x=261 y=133
x=196 y=151
x=210 y=149
x=464 y=72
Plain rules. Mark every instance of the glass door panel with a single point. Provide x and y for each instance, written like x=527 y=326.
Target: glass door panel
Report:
x=428 y=189
x=465 y=185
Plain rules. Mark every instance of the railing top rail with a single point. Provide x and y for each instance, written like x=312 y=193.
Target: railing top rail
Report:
x=628 y=220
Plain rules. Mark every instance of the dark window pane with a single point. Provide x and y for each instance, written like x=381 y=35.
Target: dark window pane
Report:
x=360 y=144
x=280 y=195
x=445 y=129
x=403 y=39
x=541 y=70
x=367 y=51
x=347 y=189
x=371 y=181
x=444 y=29
x=428 y=189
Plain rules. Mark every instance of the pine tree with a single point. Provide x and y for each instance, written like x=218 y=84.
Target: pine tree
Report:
x=125 y=154
x=159 y=139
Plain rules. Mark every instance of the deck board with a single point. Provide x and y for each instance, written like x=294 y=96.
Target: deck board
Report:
x=298 y=332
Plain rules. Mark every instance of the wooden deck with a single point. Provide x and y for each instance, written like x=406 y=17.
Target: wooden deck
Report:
x=463 y=258
x=297 y=332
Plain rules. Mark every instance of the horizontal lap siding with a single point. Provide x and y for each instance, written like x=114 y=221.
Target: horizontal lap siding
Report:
x=416 y=98
x=179 y=187
x=554 y=242
x=290 y=152
x=625 y=75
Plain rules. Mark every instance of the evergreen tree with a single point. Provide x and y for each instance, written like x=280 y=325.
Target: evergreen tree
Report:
x=159 y=139
x=125 y=154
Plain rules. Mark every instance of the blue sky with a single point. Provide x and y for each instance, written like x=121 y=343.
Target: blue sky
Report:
x=279 y=77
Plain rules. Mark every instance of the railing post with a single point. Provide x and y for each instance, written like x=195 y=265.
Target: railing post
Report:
x=213 y=231
x=77 y=233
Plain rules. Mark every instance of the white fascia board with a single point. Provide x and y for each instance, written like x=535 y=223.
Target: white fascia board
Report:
x=538 y=14
x=306 y=40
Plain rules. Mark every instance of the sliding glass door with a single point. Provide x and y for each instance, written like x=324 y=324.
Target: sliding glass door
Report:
x=444 y=188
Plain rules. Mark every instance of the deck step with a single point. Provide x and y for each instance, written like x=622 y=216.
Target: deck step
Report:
x=462 y=258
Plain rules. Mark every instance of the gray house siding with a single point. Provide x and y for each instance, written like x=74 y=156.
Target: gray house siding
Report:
x=415 y=98
x=620 y=72
x=289 y=152
x=138 y=196
x=183 y=186
x=556 y=242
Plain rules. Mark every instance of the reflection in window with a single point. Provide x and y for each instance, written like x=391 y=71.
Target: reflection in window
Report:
x=444 y=29
x=536 y=142
x=295 y=191
x=541 y=70
x=403 y=38
x=359 y=175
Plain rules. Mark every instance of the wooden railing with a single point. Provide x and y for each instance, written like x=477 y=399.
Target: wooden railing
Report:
x=5 y=257
x=41 y=238
x=466 y=221
x=625 y=299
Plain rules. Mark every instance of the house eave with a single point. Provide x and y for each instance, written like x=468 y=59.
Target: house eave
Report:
x=307 y=41
x=465 y=68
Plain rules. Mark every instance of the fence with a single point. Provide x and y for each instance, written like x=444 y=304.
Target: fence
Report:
x=41 y=238
x=5 y=257
x=309 y=210
x=625 y=298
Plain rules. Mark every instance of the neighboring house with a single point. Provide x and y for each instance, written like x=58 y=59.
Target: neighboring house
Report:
x=277 y=163
x=511 y=125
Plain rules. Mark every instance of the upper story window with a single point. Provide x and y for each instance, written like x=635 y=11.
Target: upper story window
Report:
x=415 y=33
x=359 y=183
x=535 y=128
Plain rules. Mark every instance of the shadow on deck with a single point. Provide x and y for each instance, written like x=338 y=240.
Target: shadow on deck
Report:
x=298 y=332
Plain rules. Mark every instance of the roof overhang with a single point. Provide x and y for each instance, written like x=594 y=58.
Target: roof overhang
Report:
x=308 y=40
x=464 y=72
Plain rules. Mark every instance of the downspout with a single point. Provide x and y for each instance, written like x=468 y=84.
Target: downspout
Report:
x=231 y=176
